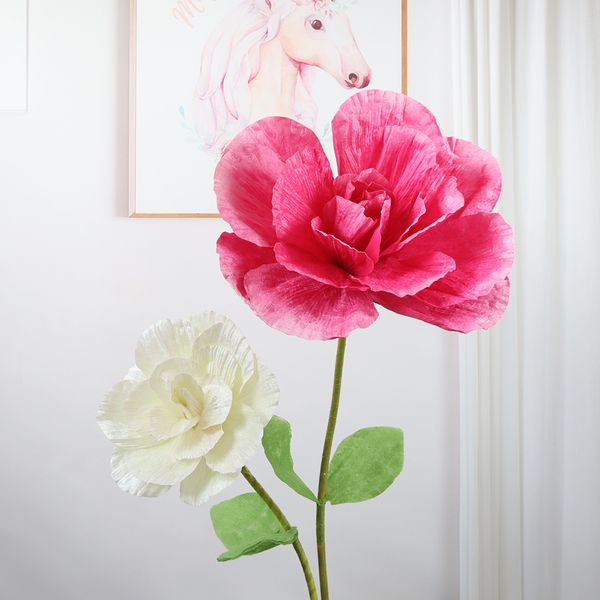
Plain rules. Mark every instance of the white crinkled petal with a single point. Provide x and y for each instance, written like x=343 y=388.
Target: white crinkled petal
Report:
x=159 y=464
x=219 y=362
x=165 y=375
x=242 y=437
x=217 y=404
x=125 y=414
x=197 y=442
x=163 y=427
x=172 y=339
x=204 y=483
x=261 y=392
x=131 y=484
x=227 y=335
x=135 y=375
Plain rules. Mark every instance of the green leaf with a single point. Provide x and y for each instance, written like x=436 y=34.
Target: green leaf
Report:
x=276 y=539
x=247 y=526
x=277 y=441
x=365 y=465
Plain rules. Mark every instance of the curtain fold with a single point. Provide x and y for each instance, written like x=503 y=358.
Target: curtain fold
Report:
x=526 y=86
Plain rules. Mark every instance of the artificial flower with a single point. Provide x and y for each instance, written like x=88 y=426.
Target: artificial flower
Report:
x=406 y=224
x=191 y=412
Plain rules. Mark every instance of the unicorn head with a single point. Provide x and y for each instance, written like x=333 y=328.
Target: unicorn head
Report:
x=258 y=62
x=317 y=34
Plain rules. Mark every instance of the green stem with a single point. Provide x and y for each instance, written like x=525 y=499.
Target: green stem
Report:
x=260 y=490
x=325 y=461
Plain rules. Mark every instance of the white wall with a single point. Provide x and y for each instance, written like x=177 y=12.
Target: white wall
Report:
x=80 y=281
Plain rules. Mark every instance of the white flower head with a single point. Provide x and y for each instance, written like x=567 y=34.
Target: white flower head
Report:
x=192 y=411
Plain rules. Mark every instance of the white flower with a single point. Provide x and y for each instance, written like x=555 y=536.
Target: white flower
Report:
x=192 y=411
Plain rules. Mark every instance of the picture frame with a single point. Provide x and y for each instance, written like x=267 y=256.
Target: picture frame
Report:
x=172 y=152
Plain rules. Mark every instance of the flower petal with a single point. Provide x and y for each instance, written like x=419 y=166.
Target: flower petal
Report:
x=359 y=127
x=131 y=484
x=303 y=188
x=347 y=221
x=443 y=200
x=248 y=170
x=159 y=463
x=483 y=249
x=317 y=266
x=222 y=351
x=464 y=317
x=197 y=442
x=242 y=437
x=171 y=339
x=406 y=275
x=237 y=257
x=261 y=392
x=217 y=404
x=203 y=484
x=479 y=176
x=127 y=412
x=351 y=260
x=298 y=305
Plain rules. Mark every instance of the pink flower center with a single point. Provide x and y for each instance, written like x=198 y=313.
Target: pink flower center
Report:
x=350 y=225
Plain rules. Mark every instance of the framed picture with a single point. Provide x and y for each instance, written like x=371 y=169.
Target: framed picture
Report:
x=201 y=70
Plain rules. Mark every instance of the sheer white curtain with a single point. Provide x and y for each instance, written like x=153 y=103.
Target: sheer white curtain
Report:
x=526 y=79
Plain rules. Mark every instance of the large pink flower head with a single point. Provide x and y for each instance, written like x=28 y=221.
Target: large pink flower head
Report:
x=406 y=224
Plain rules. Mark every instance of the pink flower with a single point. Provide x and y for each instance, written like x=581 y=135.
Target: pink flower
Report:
x=406 y=224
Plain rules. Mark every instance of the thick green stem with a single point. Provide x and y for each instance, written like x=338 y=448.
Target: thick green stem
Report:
x=325 y=461
x=260 y=490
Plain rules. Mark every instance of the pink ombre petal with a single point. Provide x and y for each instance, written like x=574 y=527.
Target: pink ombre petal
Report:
x=406 y=161
x=359 y=125
x=248 y=170
x=351 y=260
x=406 y=276
x=318 y=267
x=237 y=257
x=479 y=176
x=347 y=220
x=483 y=248
x=467 y=316
x=304 y=186
x=443 y=201
x=306 y=308
x=345 y=185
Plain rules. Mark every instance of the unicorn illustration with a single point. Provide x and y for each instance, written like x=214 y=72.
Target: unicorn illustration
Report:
x=260 y=62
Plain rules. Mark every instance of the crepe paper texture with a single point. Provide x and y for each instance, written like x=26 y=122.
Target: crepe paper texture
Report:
x=406 y=224
x=276 y=442
x=247 y=526
x=192 y=410
x=365 y=465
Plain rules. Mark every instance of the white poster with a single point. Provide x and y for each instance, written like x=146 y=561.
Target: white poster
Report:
x=13 y=55
x=204 y=69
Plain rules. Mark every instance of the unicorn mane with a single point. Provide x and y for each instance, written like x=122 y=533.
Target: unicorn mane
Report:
x=230 y=61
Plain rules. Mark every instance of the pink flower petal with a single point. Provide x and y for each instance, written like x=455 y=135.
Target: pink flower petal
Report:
x=351 y=260
x=306 y=308
x=347 y=221
x=248 y=170
x=359 y=125
x=464 y=317
x=316 y=266
x=237 y=257
x=304 y=186
x=353 y=186
x=482 y=246
x=479 y=176
x=406 y=275
x=442 y=201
